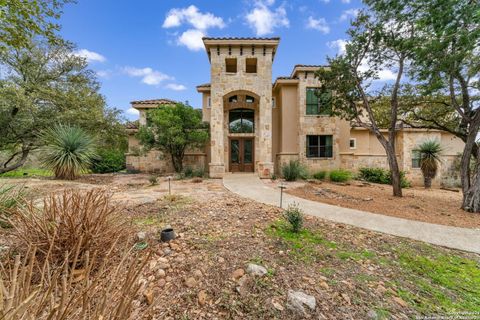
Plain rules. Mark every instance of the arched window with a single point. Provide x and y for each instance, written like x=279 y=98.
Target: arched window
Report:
x=241 y=121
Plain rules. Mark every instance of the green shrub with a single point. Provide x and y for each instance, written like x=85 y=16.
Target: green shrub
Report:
x=379 y=175
x=109 y=160
x=340 y=175
x=153 y=179
x=294 y=216
x=294 y=170
x=189 y=172
x=320 y=175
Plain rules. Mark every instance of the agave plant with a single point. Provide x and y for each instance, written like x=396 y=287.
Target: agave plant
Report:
x=429 y=152
x=68 y=151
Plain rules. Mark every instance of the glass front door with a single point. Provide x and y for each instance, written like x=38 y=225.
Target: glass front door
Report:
x=241 y=155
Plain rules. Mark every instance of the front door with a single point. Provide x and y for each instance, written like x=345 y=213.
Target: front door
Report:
x=241 y=155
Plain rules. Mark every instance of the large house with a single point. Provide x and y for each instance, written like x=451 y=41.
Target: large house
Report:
x=257 y=125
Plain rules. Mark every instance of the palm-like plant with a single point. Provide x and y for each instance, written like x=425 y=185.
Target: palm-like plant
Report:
x=68 y=151
x=429 y=152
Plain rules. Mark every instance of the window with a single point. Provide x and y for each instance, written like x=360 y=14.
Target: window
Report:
x=231 y=65
x=209 y=102
x=251 y=65
x=249 y=99
x=241 y=121
x=273 y=103
x=318 y=105
x=416 y=159
x=353 y=143
x=233 y=99
x=319 y=146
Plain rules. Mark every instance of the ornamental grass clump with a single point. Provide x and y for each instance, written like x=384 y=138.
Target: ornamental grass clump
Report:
x=294 y=170
x=294 y=216
x=68 y=151
x=11 y=197
x=73 y=221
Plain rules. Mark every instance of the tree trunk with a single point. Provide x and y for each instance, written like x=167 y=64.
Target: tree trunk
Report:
x=17 y=165
x=177 y=162
x=471 y=198
x=427 y=182
x=394 y=171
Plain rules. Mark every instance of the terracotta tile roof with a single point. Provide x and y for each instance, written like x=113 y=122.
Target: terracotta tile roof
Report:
x=132 y=125
x=204 y=85
x=239 y=38
x=154 y=101
x=309 y=66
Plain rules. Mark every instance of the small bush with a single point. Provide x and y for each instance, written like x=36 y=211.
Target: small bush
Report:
x=189 y=172
x=73 y=221
x=340 y=175
x=108 y=161
x=10 y=198
x=320 y=175
x=294 y=170
x=294 y=216
x=382 y=176
x=273 y=176
x=153 y=179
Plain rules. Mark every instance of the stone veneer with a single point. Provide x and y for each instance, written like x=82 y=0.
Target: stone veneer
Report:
x=225 y=84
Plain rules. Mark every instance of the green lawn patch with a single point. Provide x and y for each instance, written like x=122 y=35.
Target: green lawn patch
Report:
x=27 y=173
x=443 y=283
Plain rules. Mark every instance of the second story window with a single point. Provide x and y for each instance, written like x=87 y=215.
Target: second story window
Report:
x=209 y=102
x=249 y=99
x=231 y=65
x=318 y=104
x=251 y=65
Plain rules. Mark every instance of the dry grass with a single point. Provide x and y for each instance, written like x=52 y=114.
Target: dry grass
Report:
x=68 y=293
x=84 y=221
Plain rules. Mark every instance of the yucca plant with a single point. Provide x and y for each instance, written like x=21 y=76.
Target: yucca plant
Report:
x=68 y=151
x=429 y=152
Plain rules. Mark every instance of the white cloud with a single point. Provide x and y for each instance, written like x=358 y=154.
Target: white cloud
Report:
x=104 y=74
x=132 y=111
x=148 y=75
x=192 y=16
x=175 y=87
x=264 y=20
x=90 y=55
x=192 y=39
x=349 y=14
x=318 y=24
x=339 y=45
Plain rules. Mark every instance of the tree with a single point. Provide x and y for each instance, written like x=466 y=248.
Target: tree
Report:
x=21 y=21
x=173 y=129
x=446 y=67
x=45 y=83
x=372 y=48
x=429 y=152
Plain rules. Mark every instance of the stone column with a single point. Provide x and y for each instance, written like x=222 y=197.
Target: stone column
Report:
x=265 y=164
x=217 y=161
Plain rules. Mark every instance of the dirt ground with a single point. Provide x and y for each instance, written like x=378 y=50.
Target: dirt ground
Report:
x=352 y=273
x=433 y=206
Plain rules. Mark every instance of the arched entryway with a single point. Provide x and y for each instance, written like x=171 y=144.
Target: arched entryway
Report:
x=241 y=124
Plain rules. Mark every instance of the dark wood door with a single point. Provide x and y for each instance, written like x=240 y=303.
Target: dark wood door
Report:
x=241 y=155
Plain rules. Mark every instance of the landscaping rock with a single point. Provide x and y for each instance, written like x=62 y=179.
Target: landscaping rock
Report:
x=256 y=270
x=202 y=297
x=297 y=300
x=237 y=274
x=190 y=282
x=148 y=295
x=141 y=236
x=161 y=273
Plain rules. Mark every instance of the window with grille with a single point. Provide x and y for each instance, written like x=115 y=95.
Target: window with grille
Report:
x=318 y=104
x=320 y=146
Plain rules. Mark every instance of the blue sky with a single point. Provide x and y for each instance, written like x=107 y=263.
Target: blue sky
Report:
x=149 y=49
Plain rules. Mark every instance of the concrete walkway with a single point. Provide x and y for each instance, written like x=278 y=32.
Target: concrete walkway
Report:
x=250 y=186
